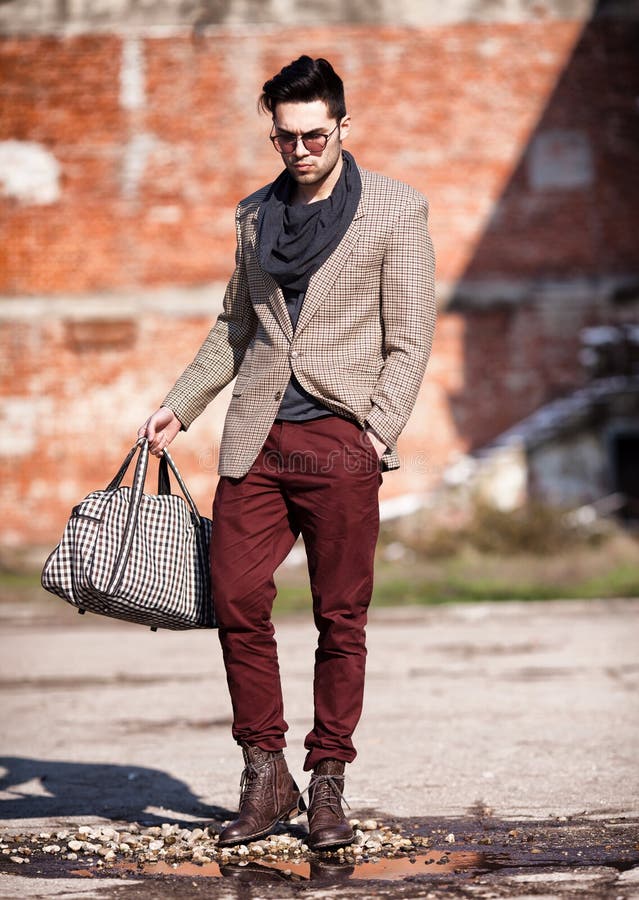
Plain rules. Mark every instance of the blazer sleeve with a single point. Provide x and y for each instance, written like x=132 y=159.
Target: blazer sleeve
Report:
x=220 y=356
x=408 y=314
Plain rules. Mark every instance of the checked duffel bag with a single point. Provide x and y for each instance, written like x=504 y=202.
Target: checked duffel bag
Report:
x=134 y=556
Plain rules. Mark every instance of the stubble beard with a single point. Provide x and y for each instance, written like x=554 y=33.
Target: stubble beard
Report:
x=314 y=176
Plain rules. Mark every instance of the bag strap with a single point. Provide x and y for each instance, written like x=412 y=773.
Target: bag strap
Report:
x=137 y=490
x=164 y=483
x=116 y=481
x=164 y=486
x=168 y=459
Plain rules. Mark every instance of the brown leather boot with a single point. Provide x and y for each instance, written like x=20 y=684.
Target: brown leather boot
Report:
x=327 y=825
x=268 y=795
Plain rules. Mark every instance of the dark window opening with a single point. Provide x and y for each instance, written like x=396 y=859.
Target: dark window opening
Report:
x=625 y=471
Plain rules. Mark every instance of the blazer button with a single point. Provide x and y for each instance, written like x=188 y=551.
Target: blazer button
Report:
x=295 y=354
x=278 y=395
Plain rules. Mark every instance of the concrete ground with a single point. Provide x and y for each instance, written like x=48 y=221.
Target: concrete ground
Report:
x=520 y=712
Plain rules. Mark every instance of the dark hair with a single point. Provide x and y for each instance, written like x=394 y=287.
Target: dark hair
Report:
x=303 y=81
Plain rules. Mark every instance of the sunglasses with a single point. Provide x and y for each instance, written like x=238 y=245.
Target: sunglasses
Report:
x=315 y=142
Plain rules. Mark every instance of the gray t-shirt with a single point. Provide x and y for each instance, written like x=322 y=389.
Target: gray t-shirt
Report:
x=297 y=404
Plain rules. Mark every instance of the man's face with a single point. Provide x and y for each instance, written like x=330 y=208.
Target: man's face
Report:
x=296 y=119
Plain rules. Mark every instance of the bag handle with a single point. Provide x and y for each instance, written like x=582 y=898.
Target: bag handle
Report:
x=137 y=490
x=164 y=485
x=163 y=477
x=164 y=482
x=116 y=481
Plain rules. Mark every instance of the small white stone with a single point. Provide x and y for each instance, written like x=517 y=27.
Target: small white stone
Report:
x=72 y=855
x=51 y=848
x=450 y=838
x=74 y=845
x=156 y=845
x=242 y=850
x=368 y=825
x=18 y=859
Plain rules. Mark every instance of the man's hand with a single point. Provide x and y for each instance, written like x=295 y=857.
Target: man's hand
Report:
x=378 y=443
x=160 y=429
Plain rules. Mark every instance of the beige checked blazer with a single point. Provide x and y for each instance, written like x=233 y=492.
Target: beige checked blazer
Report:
x=362 y=339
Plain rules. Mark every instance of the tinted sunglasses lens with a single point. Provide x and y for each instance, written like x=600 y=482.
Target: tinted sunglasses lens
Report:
x=314 y=144
x=283 y=145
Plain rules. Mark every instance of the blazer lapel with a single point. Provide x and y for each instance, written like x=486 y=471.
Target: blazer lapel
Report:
x=278 y=304
x=322 y=281
x=273 y=294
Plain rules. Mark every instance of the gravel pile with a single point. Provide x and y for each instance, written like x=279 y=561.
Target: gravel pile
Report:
x=104 y=845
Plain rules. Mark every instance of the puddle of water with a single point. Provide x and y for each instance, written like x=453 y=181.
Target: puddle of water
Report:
x=436 y=862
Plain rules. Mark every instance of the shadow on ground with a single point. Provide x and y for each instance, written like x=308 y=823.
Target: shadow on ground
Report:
x=38 y=789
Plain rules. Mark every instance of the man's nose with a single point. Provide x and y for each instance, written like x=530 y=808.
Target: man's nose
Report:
x=300 y=149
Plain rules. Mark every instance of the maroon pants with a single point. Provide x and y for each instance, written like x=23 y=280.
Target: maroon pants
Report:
x=319 y=478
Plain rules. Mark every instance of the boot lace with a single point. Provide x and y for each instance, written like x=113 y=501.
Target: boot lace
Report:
x=326 y=793
x=249 y=781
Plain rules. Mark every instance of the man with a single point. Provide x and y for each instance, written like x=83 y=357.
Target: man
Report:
x=327 y=324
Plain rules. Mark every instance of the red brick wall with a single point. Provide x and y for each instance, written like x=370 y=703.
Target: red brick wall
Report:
x=449 y=109
x=79 y=389
x=146 y=196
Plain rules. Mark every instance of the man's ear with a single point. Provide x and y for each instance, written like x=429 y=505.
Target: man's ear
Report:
x=344 y=128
